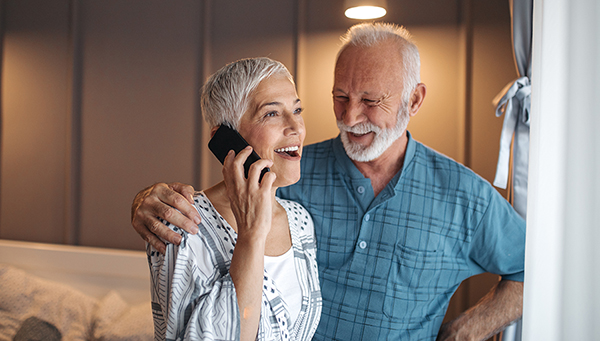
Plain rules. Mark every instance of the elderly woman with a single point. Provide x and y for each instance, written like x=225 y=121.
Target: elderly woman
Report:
x=251 y=272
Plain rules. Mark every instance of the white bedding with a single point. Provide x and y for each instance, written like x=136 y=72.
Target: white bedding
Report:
x=81 y=293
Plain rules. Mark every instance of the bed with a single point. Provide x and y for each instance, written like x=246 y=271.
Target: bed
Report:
x=73 y=293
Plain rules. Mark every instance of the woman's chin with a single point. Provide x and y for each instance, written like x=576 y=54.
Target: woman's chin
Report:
x=287 y=180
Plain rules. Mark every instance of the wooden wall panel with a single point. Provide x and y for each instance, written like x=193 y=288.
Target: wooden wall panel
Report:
x=243 y=29
x=140 y=70
x=35 y=65
x=438 y=122
x=492 y=68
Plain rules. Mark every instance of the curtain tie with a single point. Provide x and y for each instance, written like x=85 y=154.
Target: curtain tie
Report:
x=514 y=102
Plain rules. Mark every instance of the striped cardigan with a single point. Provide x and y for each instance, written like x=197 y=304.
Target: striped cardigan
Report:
x=193 y=296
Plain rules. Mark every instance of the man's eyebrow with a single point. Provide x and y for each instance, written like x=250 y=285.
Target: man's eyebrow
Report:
x=344 y=92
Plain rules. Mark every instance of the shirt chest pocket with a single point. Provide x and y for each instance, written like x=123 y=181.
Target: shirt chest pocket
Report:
x=413 y=283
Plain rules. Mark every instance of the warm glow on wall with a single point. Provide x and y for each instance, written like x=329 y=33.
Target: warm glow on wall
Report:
x=365 y=9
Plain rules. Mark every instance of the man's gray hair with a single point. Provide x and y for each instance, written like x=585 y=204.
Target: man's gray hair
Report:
x=226 y=94
x=369 y=34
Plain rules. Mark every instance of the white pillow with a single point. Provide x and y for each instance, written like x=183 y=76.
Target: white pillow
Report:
x=23 y=295
x=115 y=319
x=9 y=325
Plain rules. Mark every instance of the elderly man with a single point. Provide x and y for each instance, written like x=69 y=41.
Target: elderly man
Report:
x=398 y=225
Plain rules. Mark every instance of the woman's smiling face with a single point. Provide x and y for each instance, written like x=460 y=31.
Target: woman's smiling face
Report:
x=274 y=127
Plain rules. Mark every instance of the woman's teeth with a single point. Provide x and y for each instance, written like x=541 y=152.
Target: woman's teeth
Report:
x=287 y=149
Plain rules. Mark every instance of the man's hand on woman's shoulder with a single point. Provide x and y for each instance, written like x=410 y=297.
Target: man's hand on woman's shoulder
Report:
x=169 y=201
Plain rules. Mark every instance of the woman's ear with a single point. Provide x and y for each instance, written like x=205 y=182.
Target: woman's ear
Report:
x=213 y=131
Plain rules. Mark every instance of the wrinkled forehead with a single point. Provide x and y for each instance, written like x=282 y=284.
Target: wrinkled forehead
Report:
x=276 y=90
x=274 y=86
x=368 y=68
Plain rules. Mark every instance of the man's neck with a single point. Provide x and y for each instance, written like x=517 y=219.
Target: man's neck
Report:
x=381 y=170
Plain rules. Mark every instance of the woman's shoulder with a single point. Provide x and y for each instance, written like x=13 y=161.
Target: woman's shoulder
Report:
x=207 y=211
x=292 y=206
x=298 y=216
x=214 y=235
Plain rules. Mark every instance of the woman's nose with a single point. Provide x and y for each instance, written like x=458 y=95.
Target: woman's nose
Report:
x=295 y=124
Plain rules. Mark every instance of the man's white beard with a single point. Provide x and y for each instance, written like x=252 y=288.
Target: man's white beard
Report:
x=384 y=137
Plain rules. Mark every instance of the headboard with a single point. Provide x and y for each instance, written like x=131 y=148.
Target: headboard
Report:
x=93 y=271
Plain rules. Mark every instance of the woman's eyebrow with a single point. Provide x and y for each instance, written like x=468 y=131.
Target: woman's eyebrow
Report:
x=269 y=104
x=275 y=103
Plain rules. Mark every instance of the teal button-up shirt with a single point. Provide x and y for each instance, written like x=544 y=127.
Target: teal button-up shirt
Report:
x=388 y=265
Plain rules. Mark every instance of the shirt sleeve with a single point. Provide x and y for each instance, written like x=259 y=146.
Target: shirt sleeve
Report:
x=193 y=296
x=498 y=244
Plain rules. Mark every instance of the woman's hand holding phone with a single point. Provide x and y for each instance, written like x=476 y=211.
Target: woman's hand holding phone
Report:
x=226 y=139
x=251 y=201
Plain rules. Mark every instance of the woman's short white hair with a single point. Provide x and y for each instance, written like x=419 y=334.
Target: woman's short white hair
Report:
x=369 y=34
x=227 y=93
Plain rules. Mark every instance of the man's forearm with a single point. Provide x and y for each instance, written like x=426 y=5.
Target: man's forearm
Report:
x=496 y=310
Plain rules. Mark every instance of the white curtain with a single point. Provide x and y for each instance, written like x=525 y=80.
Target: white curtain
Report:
x=562 y=264
x=514 y=102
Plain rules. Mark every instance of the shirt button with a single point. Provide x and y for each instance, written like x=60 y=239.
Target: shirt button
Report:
x=362 y=244
x=367 y=217
x=360 y=189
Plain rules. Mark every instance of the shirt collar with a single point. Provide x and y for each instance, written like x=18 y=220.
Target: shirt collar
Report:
x=345 y=165
x=409 y=155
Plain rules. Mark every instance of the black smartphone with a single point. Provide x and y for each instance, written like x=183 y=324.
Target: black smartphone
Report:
x=226 y=139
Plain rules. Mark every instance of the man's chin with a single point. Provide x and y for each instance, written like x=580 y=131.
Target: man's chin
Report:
x=359 y=153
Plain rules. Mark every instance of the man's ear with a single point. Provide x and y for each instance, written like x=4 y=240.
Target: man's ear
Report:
x=416 y=99
x=213 y=131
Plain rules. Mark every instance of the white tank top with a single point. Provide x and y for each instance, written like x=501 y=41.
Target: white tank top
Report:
x=283 y=271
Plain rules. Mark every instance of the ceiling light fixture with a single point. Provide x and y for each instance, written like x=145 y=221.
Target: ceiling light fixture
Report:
x=365 y=9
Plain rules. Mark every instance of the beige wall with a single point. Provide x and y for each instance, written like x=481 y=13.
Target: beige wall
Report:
x=100 y=98
x=34 y=115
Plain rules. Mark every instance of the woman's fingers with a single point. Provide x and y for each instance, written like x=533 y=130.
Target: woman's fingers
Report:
x=256 y=169
x=235 y=165
x=249 y=199
x=268 y=180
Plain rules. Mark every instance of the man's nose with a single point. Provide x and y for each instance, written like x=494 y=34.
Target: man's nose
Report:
x=354 y=113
